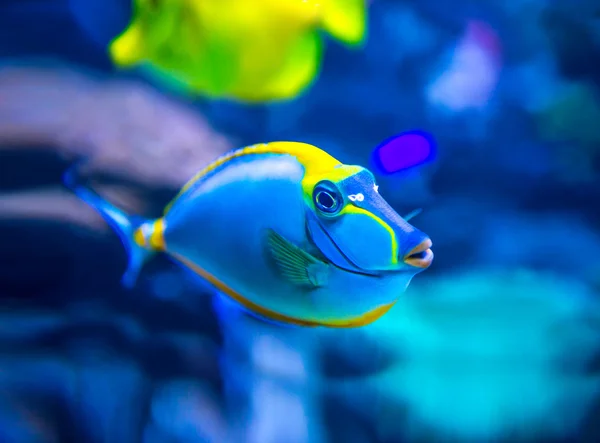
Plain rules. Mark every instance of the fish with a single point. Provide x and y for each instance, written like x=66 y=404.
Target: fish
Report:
x=285 y=230
x=264 y=50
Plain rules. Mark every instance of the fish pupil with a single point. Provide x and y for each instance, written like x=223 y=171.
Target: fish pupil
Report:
x=325 y=200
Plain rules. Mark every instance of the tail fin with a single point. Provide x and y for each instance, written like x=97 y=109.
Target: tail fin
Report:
x=124 y=225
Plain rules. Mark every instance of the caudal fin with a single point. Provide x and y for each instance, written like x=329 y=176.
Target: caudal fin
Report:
x=124 y=225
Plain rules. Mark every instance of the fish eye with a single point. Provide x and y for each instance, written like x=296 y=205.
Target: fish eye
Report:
x=326 y=200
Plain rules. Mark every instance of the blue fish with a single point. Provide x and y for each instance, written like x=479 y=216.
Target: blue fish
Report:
x=285 y=230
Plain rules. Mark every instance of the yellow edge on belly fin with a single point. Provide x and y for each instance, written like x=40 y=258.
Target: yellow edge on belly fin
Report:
x=362 y=320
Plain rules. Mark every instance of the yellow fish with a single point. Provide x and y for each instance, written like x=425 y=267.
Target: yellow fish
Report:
x=257 y=50
x=285 y=230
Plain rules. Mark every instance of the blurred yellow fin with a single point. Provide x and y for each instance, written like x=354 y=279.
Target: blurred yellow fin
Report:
x=299 y=70
x=345 y=20
x=127 y=48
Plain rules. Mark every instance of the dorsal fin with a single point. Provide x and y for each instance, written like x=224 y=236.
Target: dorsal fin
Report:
x=312 y=158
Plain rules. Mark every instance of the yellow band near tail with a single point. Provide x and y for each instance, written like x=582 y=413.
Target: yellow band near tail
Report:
x=157 y=238
x=151 y=235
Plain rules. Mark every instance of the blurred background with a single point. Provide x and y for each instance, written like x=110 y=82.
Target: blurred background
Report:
x=497 y=342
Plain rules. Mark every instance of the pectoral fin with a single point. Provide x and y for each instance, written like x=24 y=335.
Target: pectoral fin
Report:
x=295 y=264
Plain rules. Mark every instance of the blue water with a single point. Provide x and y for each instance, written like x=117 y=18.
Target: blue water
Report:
x=497 y=341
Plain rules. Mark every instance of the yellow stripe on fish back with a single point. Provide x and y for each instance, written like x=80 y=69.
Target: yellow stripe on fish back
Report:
x=313 y=159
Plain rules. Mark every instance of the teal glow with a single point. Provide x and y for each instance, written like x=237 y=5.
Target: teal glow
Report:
x=484 y=355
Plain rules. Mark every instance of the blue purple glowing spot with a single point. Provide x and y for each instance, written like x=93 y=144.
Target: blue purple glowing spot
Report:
x=404 y=151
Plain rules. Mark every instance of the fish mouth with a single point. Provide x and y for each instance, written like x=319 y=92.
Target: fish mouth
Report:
x=421 y=256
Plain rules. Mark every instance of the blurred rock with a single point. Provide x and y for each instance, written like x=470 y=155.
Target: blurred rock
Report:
x=117 y=127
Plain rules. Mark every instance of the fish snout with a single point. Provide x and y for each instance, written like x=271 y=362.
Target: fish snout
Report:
x=420 y=256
